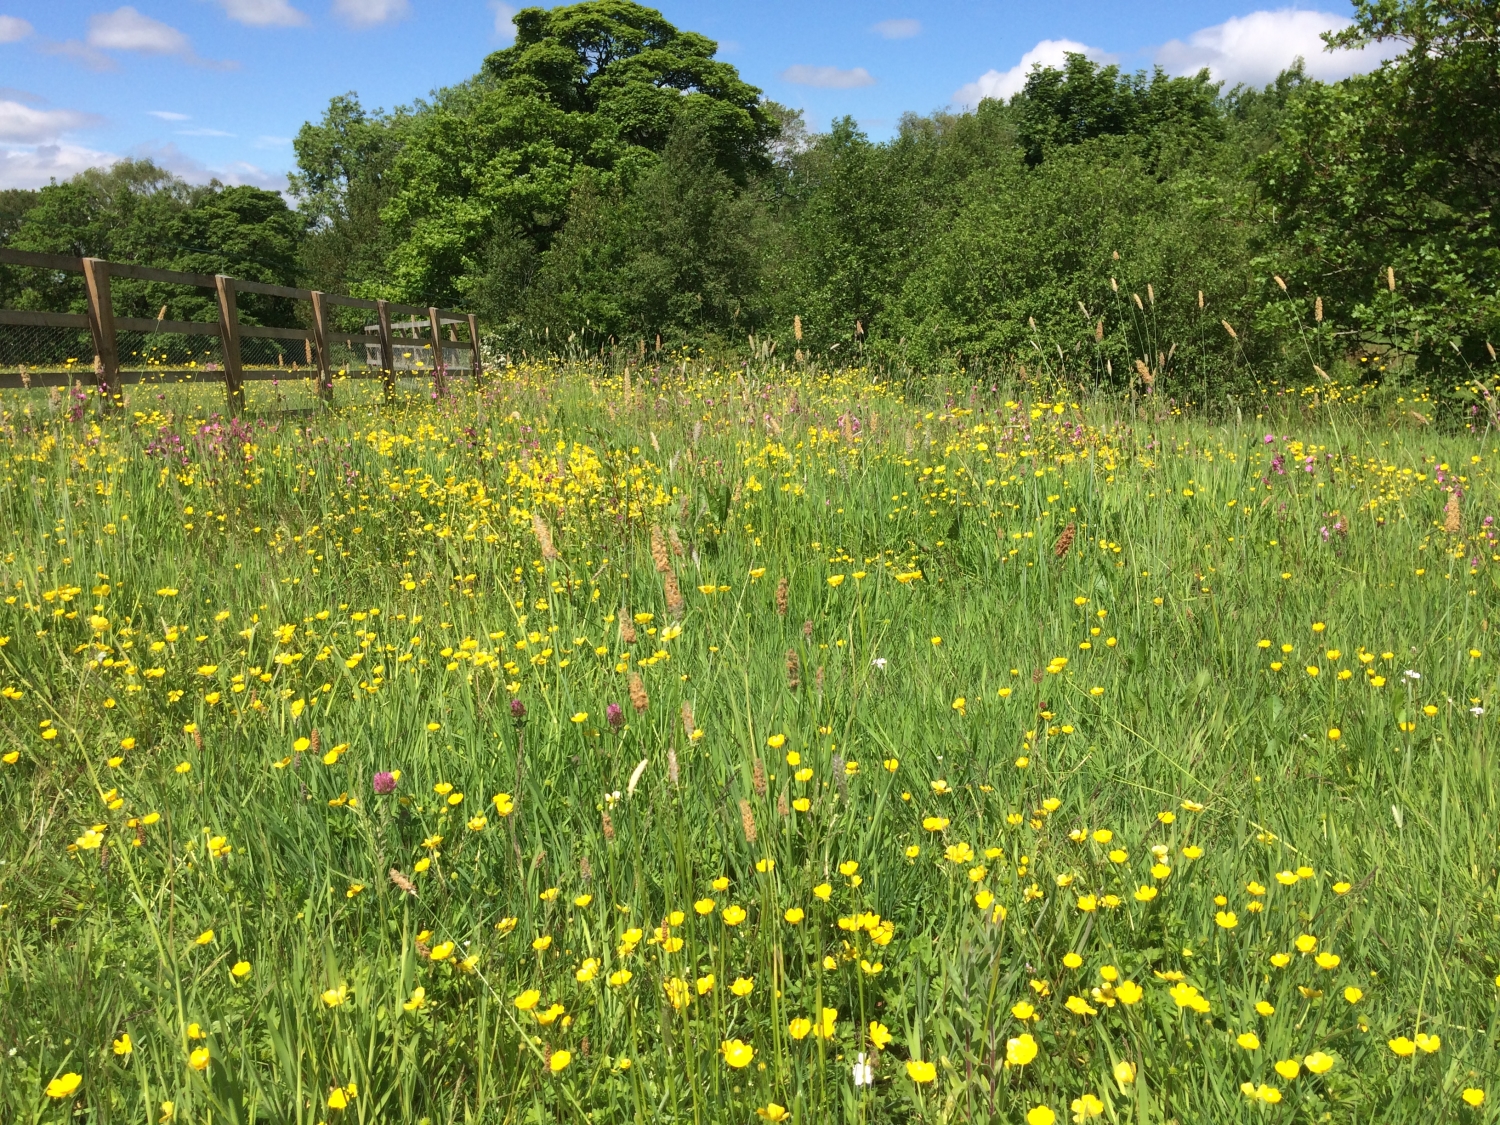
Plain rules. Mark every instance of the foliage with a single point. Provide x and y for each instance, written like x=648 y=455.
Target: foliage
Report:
x=607 y=178
x=1384 y=187
x=1084 y=100
x=676 y=251
x=360 y=764
x=136 y=212
x=590 y=91
x=340 y=186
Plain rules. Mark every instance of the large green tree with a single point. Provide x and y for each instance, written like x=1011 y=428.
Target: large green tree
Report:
x=137 y=212
x=485 y=174
x=1381 y=195
x=1084 y=100
x=678 y=251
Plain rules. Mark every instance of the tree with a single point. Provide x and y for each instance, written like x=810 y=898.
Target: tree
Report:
x=342 y=182
x=587 y=91
x=1381 y=193
x=14 y=203
x=676 y=253
x=137 y=212
x=1085 y=100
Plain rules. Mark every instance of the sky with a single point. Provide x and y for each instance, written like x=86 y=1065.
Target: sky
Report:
x=218 y=88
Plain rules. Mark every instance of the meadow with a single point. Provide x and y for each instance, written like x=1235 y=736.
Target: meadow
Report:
x=703 y=745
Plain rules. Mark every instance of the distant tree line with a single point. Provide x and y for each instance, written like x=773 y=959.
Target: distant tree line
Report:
x=606 y=183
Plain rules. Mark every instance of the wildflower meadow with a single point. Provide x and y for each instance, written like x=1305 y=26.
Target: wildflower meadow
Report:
x=706 y=744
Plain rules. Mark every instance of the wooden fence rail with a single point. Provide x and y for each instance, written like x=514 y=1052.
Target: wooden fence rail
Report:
x=103 y=326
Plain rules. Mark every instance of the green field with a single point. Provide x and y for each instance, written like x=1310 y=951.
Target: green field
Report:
x=769 y=748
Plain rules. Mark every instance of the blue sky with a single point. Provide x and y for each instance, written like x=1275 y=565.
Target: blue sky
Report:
x=219 y=87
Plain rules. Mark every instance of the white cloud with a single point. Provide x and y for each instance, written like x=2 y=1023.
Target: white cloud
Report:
x=368 y=13
x=168 y=115
x=505 y=14
x=263 y=13
x=897 y=29
x=236 y=172
x=13 y=29
x=33 y=167
x=1003 y=85
x=827 y=77
x=125 y=29
x=1255 y=48
x=23 y=125
x=272 y=142
x=203 y=133
x=81 y=53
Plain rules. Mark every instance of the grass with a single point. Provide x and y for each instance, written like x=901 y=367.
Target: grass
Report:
x=1013 y=790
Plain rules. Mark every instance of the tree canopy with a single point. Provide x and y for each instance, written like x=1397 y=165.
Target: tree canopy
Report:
x=608 y=178
x=137 y=212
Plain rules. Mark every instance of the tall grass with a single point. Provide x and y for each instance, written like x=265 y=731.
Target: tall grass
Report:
x=236 y=627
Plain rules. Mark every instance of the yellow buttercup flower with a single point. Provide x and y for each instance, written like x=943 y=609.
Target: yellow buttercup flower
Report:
x=1086 y=1107
x=737 y=1054
x=1021 y=1050
x=64 y=1085
x=920 y=1072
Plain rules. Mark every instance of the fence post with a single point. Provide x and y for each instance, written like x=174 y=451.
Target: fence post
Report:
x=320 y=341
x=476 y=363
x=387 y=349
x=102 y=328
x=439 y=372
x=229 y=334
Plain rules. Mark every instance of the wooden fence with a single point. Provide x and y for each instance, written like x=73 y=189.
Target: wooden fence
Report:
x=103 y=325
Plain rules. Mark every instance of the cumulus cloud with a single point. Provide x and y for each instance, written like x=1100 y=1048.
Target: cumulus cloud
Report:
x=32 y=146
x=125 y=29
x=1255 y=48
x=24 y=125
x=1005 y=84
x=368 y=13
x=263 y=13
x=505 y=14
x=13 y=29
x=897 y=29
x=827 y=77
x=81 y=53
x=195 y=171
x=35 y=166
